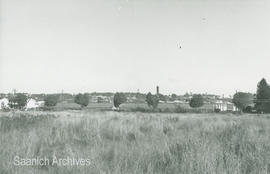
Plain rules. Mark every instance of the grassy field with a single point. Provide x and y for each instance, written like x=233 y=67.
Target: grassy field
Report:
x=121 y=142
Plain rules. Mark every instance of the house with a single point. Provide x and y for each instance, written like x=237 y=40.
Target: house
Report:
x=225 y=106
x=177 y=102
x=32 y=104
x=100 y=99
x=4 y=103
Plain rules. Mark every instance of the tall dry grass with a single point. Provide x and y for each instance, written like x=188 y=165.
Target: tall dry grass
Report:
x=137 y=143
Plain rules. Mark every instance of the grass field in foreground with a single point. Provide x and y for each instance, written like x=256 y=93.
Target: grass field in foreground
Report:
x=137 y=143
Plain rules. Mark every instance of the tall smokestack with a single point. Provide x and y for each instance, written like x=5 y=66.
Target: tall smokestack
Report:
x=157 y=90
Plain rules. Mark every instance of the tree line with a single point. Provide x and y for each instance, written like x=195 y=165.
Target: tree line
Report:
x=246 y=102
x=19 y=100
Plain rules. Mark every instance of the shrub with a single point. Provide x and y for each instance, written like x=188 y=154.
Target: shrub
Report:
x=173 y=97
x=152 y=100
x=18 y=101
x=217 y=110
x=247 y=109
x=140 y=109
x=118 y=99
x=196 y=101
x=47 y=108
x=82 y=99
x=166 y=110
x=242 y=100
x=180 y=109
x=51 y=100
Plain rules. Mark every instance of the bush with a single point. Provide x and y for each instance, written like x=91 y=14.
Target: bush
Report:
x=82 y=99
x=140 y=109
x=51 y=100
x=46 y=108
x=247 y=109
x=196 y=101
x=217 y=110
x=180 y=109
x=18 y=101
x=152 y=100
x=167 y=110
x=242 y=100
x=118 y=99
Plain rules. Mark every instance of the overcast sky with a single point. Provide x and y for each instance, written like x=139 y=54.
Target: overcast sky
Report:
x=126 y=45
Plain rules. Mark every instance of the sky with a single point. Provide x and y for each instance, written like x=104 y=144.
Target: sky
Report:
x=130 y=45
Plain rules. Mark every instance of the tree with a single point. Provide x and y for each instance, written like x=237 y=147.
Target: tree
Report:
x=242 y=100
x=18 y=101
x=262 y=103
x=196 y=101
x=162 y=97
x=152 y=100
x=82 y=99
x=173 y=97
x=118 y=99
x=140 y=98
x=51 y=100
x=99 y=100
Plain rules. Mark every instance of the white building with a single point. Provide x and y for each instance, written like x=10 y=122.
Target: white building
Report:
x=177 y=102
x=4 y=103
x=225 y=106
x=32 y=104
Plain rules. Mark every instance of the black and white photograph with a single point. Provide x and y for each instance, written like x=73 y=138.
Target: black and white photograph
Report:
x=134 y=87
